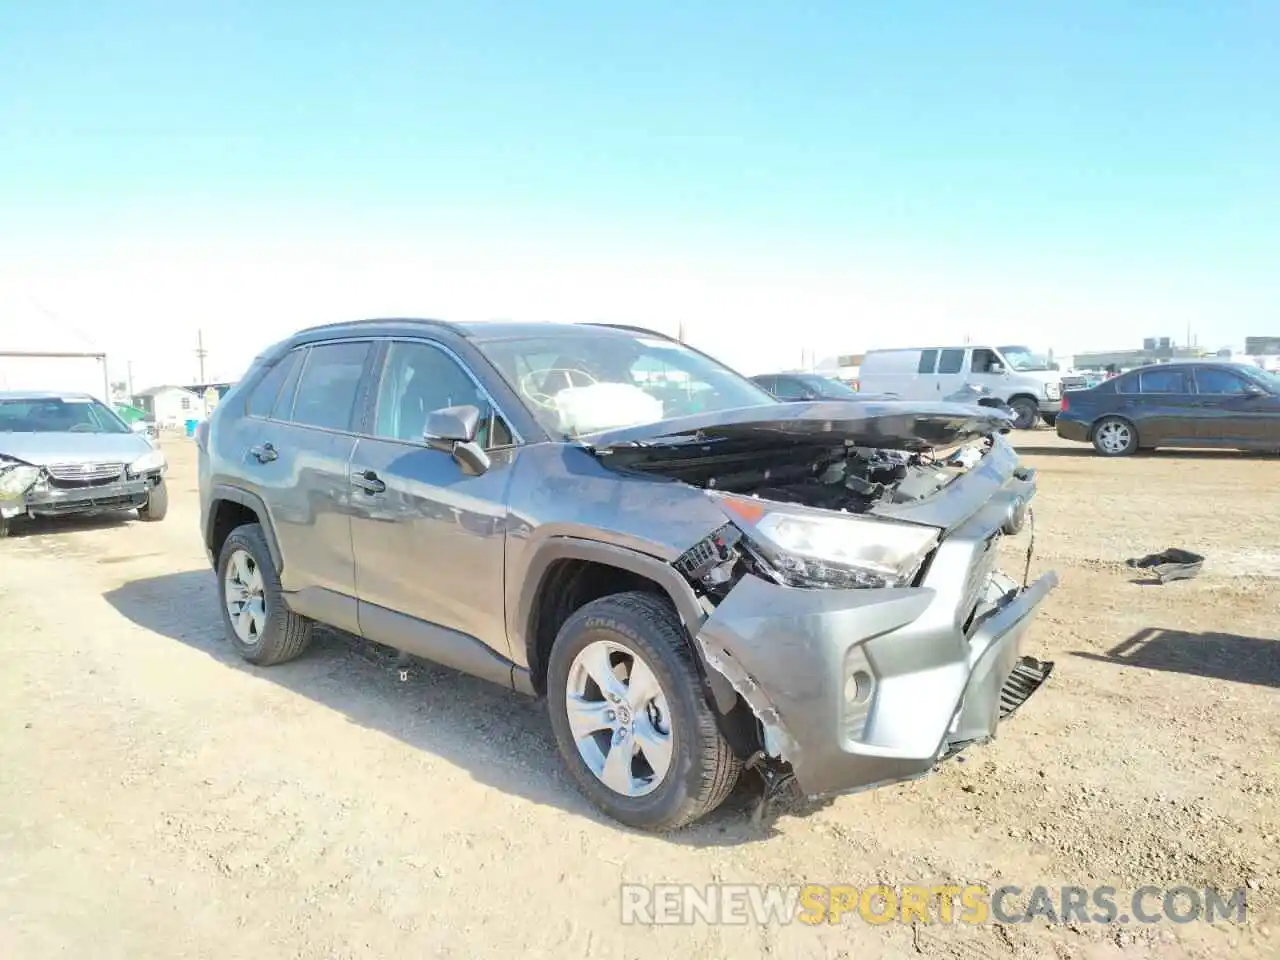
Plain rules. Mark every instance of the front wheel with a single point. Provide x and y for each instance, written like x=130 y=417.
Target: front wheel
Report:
x=157 y=505
x=1026 y=413
x=629 y=716
x=1115 y=437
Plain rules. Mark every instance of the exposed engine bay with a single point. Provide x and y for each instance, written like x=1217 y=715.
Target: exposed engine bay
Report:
x=845 y=478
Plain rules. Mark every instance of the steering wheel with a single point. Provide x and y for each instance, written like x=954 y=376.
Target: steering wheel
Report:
x=540 y=398
x=81 y=428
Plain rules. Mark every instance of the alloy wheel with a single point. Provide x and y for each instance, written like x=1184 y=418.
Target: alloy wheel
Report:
x=619 y=717
x=244 y=595
x=1114 y=437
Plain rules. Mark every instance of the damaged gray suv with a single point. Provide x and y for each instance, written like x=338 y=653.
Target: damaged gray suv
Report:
x=697 y=577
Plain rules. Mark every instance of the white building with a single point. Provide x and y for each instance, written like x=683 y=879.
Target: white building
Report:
x=170 y=406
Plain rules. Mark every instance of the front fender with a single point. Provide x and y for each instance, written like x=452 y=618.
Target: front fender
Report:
x=522 y=608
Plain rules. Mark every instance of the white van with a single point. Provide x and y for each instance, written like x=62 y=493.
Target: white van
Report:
x=1020 y=378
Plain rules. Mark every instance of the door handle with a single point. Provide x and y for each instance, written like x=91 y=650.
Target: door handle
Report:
x=264 y=453
x=368 y=481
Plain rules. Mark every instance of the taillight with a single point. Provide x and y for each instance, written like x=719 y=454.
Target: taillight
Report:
x=1066 y=402
x=202 y=435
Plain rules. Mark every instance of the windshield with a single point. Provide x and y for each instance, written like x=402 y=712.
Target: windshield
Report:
x=576 y=384
x=58 y=415
x=829 y=388
x=1021 y=358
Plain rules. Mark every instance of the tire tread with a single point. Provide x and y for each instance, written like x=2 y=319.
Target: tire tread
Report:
x=652 y=619
x=287 y=635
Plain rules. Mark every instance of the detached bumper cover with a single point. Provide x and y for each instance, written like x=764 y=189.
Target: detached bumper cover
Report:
x=45 y=500
x=860 y=688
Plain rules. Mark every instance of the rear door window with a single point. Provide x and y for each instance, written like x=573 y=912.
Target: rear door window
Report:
x=1161 y=381
x=330 y=384
x=951 y=361
x=928 y=360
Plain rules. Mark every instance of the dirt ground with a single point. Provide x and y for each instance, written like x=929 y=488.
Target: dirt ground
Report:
x=160 y=798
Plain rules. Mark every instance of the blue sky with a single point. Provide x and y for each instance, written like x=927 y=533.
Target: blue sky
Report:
x=834 y=177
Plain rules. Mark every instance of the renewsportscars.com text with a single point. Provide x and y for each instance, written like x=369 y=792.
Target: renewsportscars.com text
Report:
x=972 y=904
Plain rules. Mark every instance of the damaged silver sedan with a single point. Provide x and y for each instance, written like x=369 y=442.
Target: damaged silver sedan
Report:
x=70 y=455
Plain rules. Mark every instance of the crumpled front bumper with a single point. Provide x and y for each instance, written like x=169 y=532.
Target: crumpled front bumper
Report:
x=46 y=500
x=859 y=688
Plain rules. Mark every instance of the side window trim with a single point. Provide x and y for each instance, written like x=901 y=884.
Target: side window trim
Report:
x=289 y=359
x=369 y=424
x=290 y=383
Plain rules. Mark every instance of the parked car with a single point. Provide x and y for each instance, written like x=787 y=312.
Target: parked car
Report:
x=63 y=454
x=1202 y=404
x=1082 y=380
x=805 y=386
x=696 y=576
x=1024 y=380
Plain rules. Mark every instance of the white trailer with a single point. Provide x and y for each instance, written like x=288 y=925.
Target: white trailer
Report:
x=64 y=372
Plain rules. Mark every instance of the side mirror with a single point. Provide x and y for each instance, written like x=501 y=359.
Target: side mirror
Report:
x=996 y=368
x=453 y=430
x=1253 y=390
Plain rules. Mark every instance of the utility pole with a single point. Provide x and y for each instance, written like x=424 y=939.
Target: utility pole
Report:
x=128 y=377
x=201 y=353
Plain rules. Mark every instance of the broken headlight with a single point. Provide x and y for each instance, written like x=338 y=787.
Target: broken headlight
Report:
x=16 y=479
x=817 y=548
x=148 y=462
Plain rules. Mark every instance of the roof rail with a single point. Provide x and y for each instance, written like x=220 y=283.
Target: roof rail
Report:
x=375 y=320
x=628 y=326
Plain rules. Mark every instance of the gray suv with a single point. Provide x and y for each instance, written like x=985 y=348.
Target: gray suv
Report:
x=697 y=577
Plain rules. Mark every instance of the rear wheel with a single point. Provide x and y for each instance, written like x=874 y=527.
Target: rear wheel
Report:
x=1115 y=437
x=629 y=716
x=259 y=624
x=1026 y=413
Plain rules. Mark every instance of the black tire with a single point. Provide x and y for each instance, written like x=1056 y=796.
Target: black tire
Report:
x=1050 y=419
x=286 y=635
x=157 y=505
x=1122 y=427
x=1026 y=413
x=703 y=767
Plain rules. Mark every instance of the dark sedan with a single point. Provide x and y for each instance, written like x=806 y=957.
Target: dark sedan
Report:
x=806 y=386
x=1223 y=405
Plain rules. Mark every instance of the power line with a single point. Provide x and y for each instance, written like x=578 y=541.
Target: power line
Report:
x=201 y=352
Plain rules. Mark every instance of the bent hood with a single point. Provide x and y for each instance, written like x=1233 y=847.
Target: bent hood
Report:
x=896 y=424
x=42 y=449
